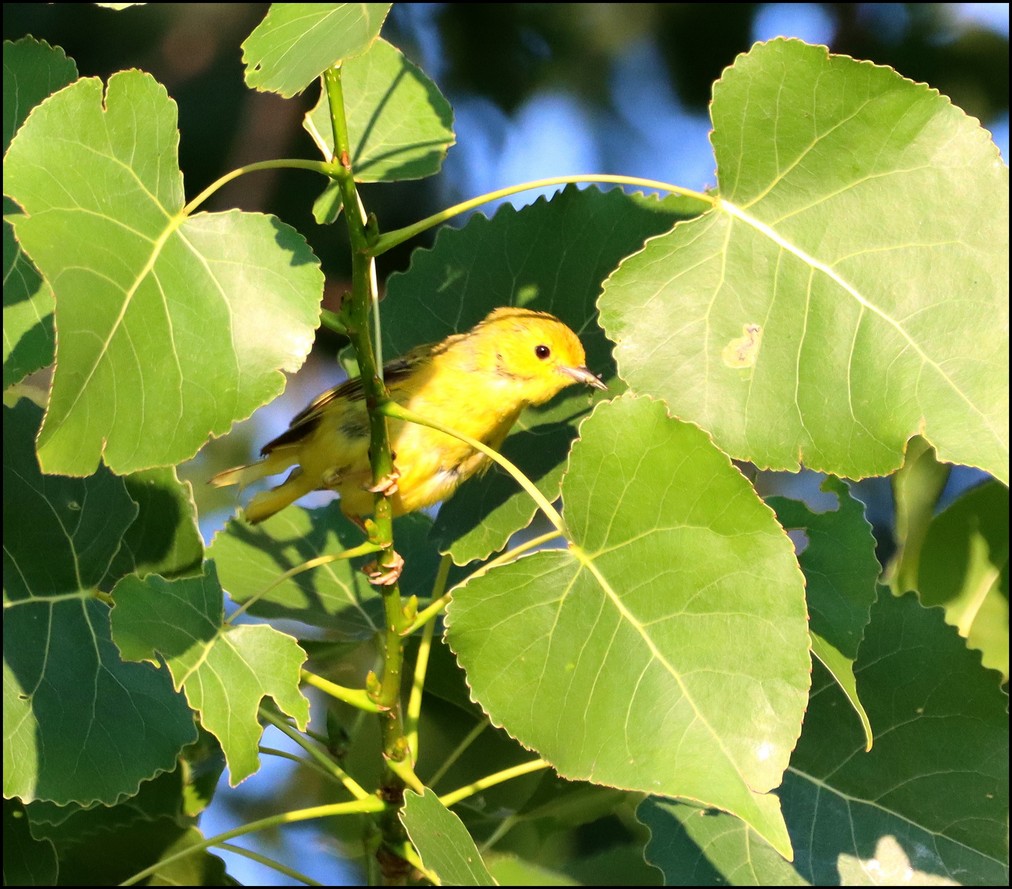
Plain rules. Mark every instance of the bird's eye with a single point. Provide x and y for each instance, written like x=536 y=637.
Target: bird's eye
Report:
x=542 y=352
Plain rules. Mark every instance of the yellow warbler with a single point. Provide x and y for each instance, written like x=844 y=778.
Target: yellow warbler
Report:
x=476 y=383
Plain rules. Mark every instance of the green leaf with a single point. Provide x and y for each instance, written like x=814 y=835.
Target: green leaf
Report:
x=841 y=571
x=964 y=568
x=252 y=562
x=160 y=316
x=703 y=847
x=916 y=489
x=927 y=805
x=64 y=682
x=553 y=256
x=610 y=658
x=32 y=70
x=161 y=797
x=297 y=42
x=442 y=841
x=27 y=861
x=114 y=856
x=850 y=286
x=164 y=537
x=399 y=124
x=224 y=670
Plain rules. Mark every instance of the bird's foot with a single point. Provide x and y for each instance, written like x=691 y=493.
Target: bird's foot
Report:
x=384 y=575
x=386 y=485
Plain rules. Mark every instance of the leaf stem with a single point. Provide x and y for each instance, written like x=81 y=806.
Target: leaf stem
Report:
x=350 y=784
x=360 y=305
x=391 y=239
x=455 y=796
x=398 y=412
x=436 y=606
x=357 y=697
x=331 y=810
x=269 y=862
x=363 y=549
x=291 y=163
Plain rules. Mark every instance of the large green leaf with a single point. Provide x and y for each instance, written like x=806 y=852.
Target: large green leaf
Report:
x=928 y=804
x=297 y=42
x=160 y=317
x=666 y=649
x=399 y=124
x=64 y=681
x=849 y=287
x=32 y=70
x=224 y=670
x=550 y=256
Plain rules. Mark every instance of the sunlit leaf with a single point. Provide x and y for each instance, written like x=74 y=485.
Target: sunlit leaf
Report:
x=32 y=70
x=297 y=42
x=160 y=317
x=850 y=286
x=927 y=806
x=399 y=124
x=611 y=658
x=224 y=670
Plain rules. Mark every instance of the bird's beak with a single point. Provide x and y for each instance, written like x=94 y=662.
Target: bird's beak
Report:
x=582 y=375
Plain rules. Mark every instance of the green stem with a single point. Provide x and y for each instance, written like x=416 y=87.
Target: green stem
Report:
x=361 y=303
x=455 y=796
x=396 y=411
x=331 y=810
x=327 y=169
x=436 y=606
x=269 y=862
x=458 y=752
x=391 y=239
x=350 y=784
x=422 y=664
x=357 y=697
x=362 y=549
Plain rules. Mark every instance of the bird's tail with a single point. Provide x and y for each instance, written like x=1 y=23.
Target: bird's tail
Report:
x=266 y=503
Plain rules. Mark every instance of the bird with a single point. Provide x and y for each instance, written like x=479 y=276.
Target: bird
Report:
x=476 y=383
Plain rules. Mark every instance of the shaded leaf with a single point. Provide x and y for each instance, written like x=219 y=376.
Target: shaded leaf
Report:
x=850 y=287
x=32 y=70
x=252 y=560
x=399 y=124
x=964 y=568
x=610 y=658
x=164 y=537
x=224 y=670
x=27 y=860
x=64 y=682
x=297 y=42
x=841 y=572
x=160 y=316
x=916 y=489
x=442 y=841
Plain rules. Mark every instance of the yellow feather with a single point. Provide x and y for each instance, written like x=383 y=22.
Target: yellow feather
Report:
x=477 y=383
